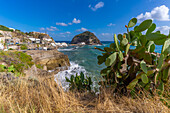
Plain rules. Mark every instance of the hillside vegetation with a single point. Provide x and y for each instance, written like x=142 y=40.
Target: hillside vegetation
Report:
x=19 y=60
x=4 y=28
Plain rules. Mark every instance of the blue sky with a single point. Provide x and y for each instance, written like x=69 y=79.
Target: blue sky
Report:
x=63 y=19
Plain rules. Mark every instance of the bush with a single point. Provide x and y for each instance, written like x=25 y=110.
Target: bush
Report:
x=10 y=49
x=79 y=82
x=39 y=66
x=24 y=58
x=1 y=35
x=24 y=47
x=20 y=60
x=7 y=69
x=4 y=28
x=141 y=67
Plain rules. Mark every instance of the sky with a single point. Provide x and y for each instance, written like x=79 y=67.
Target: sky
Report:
x=63 y=19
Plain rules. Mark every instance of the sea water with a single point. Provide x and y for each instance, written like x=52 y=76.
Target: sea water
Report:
x=84 y=59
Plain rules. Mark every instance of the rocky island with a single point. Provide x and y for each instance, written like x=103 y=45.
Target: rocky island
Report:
x=86 y=38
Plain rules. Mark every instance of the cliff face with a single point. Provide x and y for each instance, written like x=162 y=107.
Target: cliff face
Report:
x=51 y=59
x=87 y=37
x=33 y=63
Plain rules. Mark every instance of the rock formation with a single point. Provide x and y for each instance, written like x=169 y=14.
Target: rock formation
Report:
x=52 y=59
x=87 y=37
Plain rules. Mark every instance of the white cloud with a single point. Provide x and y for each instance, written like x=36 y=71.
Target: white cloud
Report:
x=65 y=33
x=54 y=28
x=70 y=23
x=158 y=13
x=61 y=24
x=81 y=30
x=76 y=21
x=49 y=29
x=163 y=29
x=42 y=29
x=62 y=36
x=111 y=24
x=106 y=34
x=97 y=6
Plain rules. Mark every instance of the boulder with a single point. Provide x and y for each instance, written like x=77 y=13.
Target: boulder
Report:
x=52 y=59
x=87 y=37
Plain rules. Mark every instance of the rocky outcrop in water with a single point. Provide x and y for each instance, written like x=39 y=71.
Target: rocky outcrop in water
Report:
x=87 y=37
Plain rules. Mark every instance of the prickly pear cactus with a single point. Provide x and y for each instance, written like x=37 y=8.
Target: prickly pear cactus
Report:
x=80 y=82
x=131 y=61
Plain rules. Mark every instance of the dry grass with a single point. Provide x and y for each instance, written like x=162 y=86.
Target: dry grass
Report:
x=47 y=97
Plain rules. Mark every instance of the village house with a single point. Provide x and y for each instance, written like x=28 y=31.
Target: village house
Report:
x=35 y=40
x=16 y=40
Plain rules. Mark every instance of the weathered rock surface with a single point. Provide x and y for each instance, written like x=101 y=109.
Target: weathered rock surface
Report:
x=6 y=76
x=87 y=37
x=36 y=72
x=52 y=59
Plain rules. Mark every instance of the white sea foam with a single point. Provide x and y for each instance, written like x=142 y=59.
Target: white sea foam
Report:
x=98 y=45
x=68 y=49
x=72 y=70
x=71 y=49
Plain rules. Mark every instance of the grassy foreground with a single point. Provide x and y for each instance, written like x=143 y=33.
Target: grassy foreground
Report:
x=47 y=97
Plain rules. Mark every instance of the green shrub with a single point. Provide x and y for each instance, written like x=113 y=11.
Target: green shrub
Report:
x=39 y=66
x=2 y=68
x=138 y=68
x=80 y=83
x=24 y=58
x=10 y=49
x=1 y=36
x=7 y=69
x=20 y=67
x=24 y=47
x=20 y=61
x=4 y=28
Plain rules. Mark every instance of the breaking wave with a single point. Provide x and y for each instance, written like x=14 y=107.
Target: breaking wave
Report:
x=72 y=70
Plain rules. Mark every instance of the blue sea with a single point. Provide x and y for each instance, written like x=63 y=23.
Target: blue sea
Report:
x=84 y=59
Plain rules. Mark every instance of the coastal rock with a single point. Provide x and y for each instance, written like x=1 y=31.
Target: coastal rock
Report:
x=87 y=37
x=52 y=59
x=34 y=72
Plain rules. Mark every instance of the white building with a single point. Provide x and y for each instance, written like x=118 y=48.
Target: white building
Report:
x=53 y=44
x=46 y=39
x=12 y=29
x=35 y=40
x=83 y=43
x=1 y=45
x=62 y=44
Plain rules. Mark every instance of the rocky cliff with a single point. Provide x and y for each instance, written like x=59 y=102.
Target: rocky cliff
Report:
x=51 y=59
x=87 y=37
